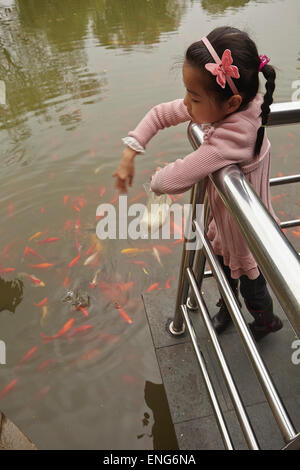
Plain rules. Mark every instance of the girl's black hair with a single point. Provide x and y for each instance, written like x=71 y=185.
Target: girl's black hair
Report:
x=245 y=57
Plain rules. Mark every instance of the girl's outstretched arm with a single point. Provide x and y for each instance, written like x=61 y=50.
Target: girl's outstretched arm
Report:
x=159 y=117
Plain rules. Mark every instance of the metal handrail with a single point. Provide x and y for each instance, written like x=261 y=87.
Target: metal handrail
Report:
x=281 y=267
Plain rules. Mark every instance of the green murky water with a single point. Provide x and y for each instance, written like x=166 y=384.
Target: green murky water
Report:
x=79 y=75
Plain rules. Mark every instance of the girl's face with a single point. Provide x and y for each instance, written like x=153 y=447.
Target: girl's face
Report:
x=201 y=107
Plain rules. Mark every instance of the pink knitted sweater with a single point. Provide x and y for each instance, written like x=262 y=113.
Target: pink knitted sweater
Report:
x=228 y=141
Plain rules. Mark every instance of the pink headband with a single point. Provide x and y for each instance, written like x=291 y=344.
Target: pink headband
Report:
x=223 y=69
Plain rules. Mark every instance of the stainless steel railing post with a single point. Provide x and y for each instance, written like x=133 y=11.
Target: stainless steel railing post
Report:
x=176 y=327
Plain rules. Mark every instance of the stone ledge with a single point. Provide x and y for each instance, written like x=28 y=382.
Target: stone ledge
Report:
x=11 y=438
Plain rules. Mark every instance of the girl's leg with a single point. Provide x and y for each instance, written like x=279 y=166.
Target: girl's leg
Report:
x=259 y=303
x=222 y=319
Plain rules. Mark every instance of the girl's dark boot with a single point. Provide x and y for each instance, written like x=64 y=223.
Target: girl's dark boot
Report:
x=265 y=322
x=223 y=319
x=260 y=304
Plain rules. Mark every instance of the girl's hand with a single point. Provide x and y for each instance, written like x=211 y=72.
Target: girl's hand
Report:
x=125 y=171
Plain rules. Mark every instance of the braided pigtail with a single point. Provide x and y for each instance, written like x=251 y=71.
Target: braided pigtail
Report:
x=270 y=75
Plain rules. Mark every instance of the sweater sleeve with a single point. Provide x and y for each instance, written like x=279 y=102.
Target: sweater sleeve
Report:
x=159 y=117
x=228 y=144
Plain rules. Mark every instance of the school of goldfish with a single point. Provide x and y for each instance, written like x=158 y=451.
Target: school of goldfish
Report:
x=141 y=257
x=88 y=254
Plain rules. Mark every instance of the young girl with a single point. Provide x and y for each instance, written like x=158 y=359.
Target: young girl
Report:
x=221 y=77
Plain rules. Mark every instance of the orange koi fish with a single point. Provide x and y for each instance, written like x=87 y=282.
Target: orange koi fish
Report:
x=296 y=233
x=140 y=263
x=68 y=225
x=47 y=364
x=156 y=255
x=6 y=270
x=36 y=235
x=99 y=215
x=163 y=249
x=153 y=287
x=114 y=199
x=62 y=331
x=134 y=250
x=91 y=249
x=31 y=251
x=35 y=280
x=75 y=260
x=76 y=208
x=291 y=135
x=48 y=240
x=77 y=224
x=80 y=329
x=66 y=197
x=168 y=282
x=43 y=302
x=176 y=228
x=123 y=313
x=42 y=210
x=124 y=287
x=44 y=314
x=84 y=311
x=98 y=169
x=81 y=201
x=42 y=265
x=8 y=388
x=27 y=356
x=94 y=281
x=102 y=190
x=90 y=259
x=66 y=281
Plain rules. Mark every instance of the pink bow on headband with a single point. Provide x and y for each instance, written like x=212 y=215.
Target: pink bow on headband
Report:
x=223 y=69
x=263 y=61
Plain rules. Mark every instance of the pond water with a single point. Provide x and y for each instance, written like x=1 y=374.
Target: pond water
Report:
x=79 y=75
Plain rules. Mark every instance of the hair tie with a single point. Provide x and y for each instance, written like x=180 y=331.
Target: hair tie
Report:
x=223 y=69
x=263 y=61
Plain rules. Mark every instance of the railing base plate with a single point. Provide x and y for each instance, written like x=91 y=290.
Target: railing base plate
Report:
x=170 y=329
x=190 y=305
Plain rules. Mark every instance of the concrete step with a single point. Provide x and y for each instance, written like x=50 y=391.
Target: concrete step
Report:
x=189 y=404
